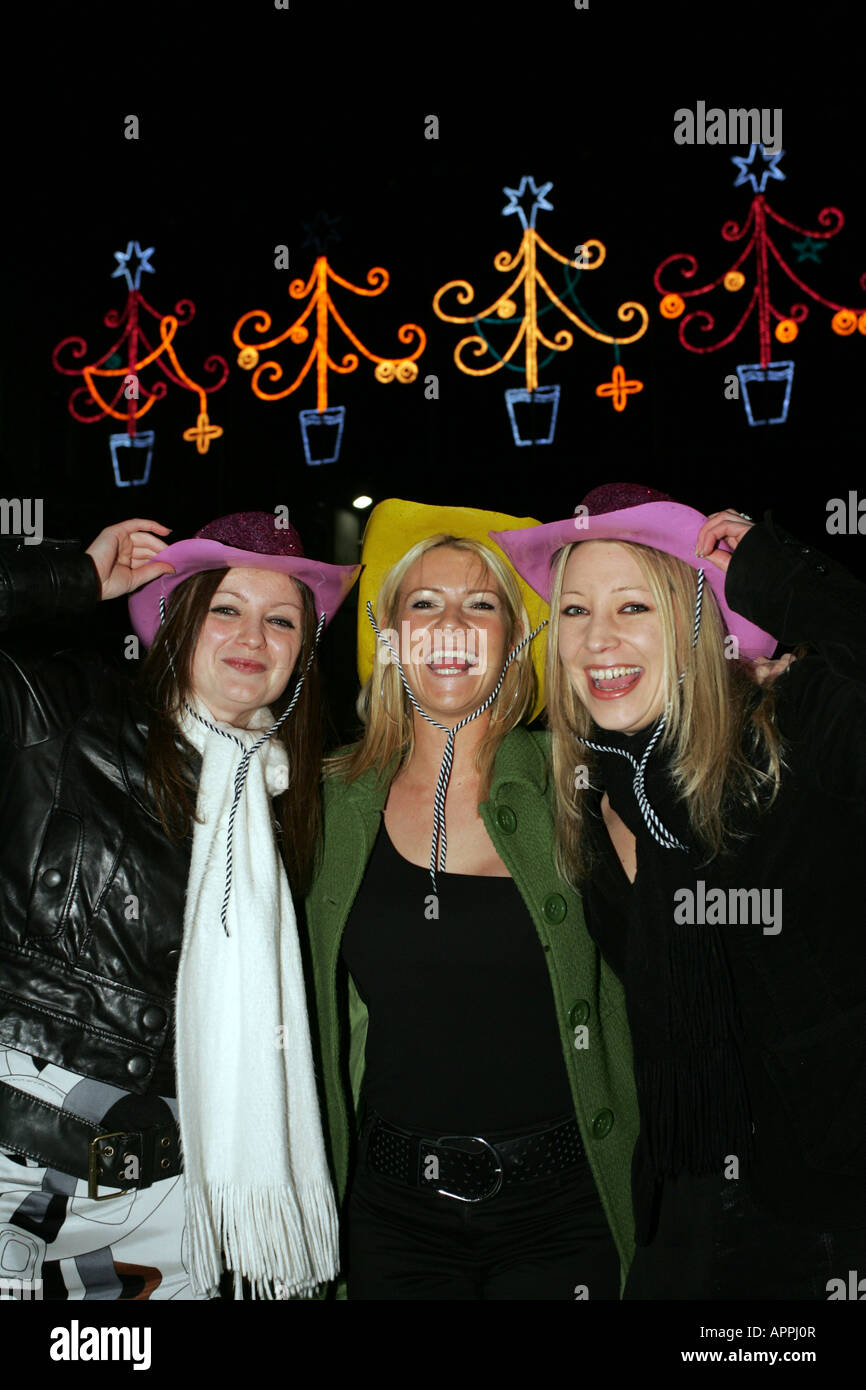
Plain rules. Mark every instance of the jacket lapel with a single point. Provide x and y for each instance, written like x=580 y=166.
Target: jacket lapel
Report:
x=352 y=821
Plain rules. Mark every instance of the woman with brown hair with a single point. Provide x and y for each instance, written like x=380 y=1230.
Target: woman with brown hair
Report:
x=475 y=1059
x=153 y=1017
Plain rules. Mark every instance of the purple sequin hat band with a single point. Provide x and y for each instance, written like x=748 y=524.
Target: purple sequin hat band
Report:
x=618 y=497
x=253 y=531
x=243 y=540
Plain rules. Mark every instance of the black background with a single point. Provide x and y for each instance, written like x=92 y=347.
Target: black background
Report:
x=253 y=120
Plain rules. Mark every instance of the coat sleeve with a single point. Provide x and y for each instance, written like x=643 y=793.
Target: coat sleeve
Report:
x=38 y=584
x=804 y=598
x=44 y=582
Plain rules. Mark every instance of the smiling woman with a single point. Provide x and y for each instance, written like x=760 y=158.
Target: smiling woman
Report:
x=455 y=610
x=690 y=769
x=248 y=643
x=147 y=894
x=610 y=636
x=448 y=597
x=482 y=1140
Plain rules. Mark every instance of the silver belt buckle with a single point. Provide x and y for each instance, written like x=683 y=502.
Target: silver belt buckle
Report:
x=475 y=1139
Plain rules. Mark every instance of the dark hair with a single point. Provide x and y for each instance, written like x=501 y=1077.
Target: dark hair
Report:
x=166 y=682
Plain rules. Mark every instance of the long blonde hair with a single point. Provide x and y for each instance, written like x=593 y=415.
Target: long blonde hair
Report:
x=724 y=745
x=383 y=706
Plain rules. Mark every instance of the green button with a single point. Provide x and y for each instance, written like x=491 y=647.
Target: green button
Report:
x=602 y=1124
x=554 y=909
x=578 y=1013
x=506 y=820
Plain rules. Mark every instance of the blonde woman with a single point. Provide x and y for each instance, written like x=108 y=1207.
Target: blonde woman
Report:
x=716 y=827
x=475 y=1058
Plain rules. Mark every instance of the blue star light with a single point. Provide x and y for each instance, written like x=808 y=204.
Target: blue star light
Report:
x=538 y=200
x=124 y=257
x=770 y=170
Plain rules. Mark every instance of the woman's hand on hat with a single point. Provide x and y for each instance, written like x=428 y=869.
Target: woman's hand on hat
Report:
x=728 y=526
x=764 y=669
x=123 y=556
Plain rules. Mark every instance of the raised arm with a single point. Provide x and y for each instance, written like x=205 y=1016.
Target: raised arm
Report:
x=804 y=598
x=53 y=581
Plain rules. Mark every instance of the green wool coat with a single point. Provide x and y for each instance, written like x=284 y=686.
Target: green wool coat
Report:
x=585 y=994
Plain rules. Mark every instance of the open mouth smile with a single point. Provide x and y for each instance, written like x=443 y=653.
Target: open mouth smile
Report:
x=460 y=667
x=239 y=664
x=610 y=682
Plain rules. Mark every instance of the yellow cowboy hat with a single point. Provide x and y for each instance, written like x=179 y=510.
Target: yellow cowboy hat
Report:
x=395 y=526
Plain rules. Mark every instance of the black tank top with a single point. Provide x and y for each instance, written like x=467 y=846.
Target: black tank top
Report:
x=462 y=1033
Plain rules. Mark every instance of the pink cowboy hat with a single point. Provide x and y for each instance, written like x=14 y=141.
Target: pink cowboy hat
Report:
x=244 y=540
x=627 y=512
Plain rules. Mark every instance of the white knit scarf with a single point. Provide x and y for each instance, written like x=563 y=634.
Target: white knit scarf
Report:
x=258 y=1194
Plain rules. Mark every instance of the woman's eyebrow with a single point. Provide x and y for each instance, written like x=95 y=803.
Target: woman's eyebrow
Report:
x=283 y=603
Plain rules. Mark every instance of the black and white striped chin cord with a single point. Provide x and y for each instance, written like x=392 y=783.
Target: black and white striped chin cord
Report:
x=439 y=844
x=658 y=831
x=246 y=755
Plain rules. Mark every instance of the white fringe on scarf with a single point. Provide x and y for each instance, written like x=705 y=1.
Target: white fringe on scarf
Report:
x=258 y=1194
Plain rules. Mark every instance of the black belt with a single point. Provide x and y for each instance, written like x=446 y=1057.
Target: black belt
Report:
x=123 y=1159
x=468 y=1167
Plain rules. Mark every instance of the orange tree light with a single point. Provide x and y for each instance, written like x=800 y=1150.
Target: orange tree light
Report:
x=401 y=368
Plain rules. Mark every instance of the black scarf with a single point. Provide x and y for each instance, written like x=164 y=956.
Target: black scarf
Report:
x=689 y=1076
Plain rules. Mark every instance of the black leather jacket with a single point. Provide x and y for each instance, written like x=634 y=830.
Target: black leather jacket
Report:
x=91 y=888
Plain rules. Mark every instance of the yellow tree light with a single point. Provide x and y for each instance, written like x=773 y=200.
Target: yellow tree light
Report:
x=591 y=255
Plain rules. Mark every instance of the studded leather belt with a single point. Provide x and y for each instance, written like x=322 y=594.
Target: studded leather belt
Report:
x=121 y=1160
x=468 y=1167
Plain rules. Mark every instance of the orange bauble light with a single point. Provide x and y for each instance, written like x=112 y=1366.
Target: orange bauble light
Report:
x=844 y=322
x=734 y=280
x=786 y=330
x=672 y=306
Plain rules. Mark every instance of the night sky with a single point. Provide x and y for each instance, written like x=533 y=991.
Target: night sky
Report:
x=255 y=122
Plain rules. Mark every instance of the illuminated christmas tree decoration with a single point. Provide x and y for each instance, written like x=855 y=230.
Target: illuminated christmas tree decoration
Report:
x=779 y=374
x=203 y=433
x=672 y=306
x=542 y=402
x=767 y=167
x=322 y=428
x=618 y=388
x=808 y=250
x=141 y=262
x=135 y=445
x=769 y=377
x=844 y=322
x=321 y=232
x=114 y=388
x=324 y=424
x=539 y=201
x=537 y=405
